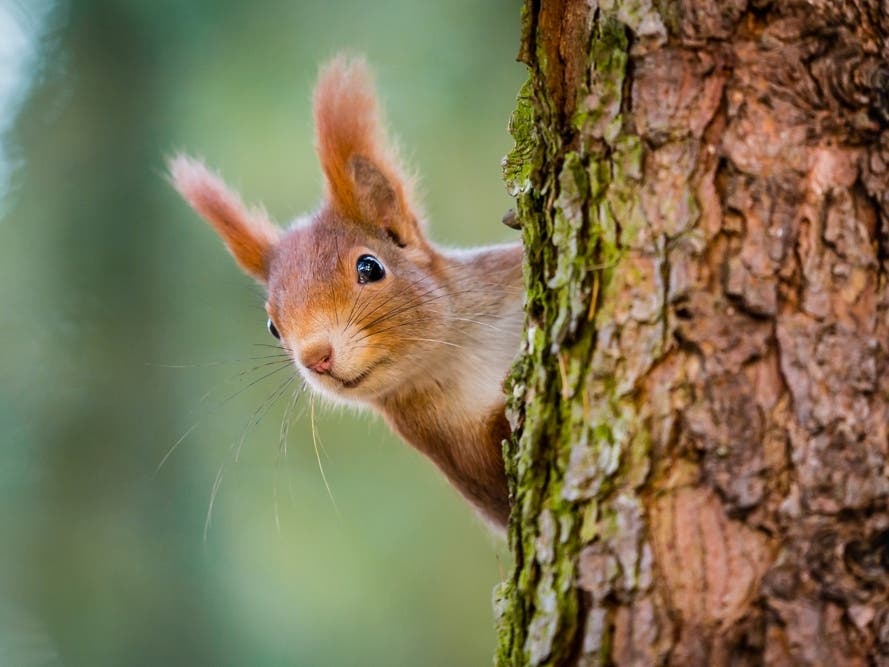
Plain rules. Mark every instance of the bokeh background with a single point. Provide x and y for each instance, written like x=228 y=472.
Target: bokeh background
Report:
x=124 y=326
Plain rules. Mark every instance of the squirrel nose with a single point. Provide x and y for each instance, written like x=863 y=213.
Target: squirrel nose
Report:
x=318 y=358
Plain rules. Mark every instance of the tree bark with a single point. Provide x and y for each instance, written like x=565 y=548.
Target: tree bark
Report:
x=700 y=461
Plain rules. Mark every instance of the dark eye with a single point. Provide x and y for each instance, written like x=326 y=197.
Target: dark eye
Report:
x=273 y=329
x=369 y=269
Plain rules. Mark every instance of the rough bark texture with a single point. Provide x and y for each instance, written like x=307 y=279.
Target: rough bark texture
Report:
x=700 y=466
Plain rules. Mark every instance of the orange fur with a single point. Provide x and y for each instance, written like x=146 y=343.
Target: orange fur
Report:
x=427 y=345
x=347 y=125
x=249 y=234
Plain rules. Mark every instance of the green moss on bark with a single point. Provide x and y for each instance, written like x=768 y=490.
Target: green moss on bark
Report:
x=574 y=188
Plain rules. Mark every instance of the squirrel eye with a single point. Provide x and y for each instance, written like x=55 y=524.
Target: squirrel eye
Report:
x=369 y=269
x=273 y=329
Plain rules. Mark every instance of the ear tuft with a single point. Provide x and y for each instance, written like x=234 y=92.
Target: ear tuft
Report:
x=351 y=146
x=249 y=234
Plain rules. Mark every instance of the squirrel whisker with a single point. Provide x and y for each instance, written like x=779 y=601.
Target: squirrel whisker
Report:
x=260 y=412
x=281 y=454
x=315 y=441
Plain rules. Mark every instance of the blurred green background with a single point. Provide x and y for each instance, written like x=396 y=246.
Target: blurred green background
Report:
x=126 y=325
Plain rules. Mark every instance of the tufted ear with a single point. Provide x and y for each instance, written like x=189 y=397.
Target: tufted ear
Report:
x=248 y=234
x=363 y=178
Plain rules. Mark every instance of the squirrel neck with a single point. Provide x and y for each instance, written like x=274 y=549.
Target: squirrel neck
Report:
x=448 y=412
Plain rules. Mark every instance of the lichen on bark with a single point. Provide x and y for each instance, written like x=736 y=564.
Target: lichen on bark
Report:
x=568 y=219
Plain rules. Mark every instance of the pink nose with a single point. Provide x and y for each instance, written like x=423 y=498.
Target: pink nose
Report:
x=318 y=358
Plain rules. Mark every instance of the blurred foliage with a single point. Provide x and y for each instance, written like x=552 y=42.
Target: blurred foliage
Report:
x=125 y=326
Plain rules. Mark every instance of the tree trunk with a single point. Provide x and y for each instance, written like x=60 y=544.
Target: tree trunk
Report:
x=700 y=466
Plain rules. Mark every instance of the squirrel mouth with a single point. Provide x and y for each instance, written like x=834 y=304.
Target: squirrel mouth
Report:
x=361 y=377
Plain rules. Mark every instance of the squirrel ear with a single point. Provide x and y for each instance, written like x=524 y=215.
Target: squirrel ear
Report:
x=378 y=202
x=363 y=178
x=248 y=234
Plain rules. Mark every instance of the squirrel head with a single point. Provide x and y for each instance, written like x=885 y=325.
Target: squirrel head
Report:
x=355 y=292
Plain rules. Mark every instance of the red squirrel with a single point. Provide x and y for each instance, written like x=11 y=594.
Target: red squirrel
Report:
x=370 y=311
